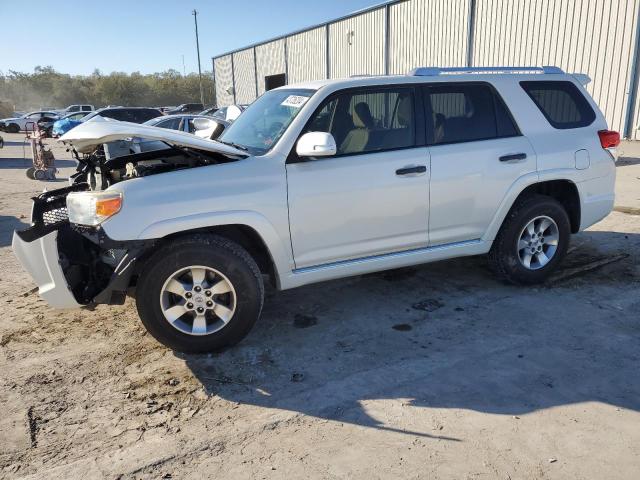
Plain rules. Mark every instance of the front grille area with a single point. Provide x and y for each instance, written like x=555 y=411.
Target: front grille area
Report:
x=56 y=215
x=49 y=212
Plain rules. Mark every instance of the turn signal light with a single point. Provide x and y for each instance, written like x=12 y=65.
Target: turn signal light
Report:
x=106 y=207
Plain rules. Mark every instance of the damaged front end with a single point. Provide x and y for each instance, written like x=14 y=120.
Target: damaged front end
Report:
x=74 y=265
x=73 y=261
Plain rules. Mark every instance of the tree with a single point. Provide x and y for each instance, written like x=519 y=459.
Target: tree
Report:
x=46 y=87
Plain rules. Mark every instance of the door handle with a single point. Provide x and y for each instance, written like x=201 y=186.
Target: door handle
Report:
x=411 y=170
x=513 y=157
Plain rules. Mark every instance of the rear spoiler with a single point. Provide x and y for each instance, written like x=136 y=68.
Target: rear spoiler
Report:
x=583 y=78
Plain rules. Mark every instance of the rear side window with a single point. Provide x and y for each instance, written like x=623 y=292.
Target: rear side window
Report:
x=465 y=112
x=561 y=103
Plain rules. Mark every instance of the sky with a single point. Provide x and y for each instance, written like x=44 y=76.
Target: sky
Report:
x=78 y=36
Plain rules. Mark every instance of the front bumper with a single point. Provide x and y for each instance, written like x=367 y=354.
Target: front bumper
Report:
x=40 y=259
x=74 y=266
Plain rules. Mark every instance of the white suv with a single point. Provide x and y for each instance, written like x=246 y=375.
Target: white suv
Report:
x=324 y=180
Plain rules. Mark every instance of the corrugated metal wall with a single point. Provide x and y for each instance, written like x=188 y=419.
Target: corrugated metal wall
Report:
x=419 y=36
x=306 y=55
x=595 y=37
x=224 y=80
x=244 y=72
x=356 y=45
x=270 y=61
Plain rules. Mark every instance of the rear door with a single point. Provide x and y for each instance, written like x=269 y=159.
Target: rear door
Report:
x=372 y=197
x=477 y=153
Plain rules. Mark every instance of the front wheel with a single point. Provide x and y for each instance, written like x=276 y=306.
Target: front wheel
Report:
x=200 y=294
x=532 y=242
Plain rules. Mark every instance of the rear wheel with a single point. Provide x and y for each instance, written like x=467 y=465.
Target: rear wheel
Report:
x=30 y=172
x=532 y=242
x=200 y=294
x=13 y=128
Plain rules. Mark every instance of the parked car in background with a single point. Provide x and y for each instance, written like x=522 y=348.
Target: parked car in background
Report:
x=186 y=108
x=124 y=114
x=77 y=108
x=229 y=113
x=63 y=125
x=183 y=123
x=17 y=124
x=209 y=111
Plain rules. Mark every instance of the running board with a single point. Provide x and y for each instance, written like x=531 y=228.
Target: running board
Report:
x=387 y=261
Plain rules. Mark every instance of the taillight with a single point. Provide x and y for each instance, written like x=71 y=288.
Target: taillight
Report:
x=609 y=138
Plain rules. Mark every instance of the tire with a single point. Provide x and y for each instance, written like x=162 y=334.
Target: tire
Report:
x=30 y=173
x=224 y=262
x=13 y=128
x=508 y=259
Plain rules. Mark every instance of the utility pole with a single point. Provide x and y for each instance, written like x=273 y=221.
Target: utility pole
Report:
x=195 y=19
x=184 y=69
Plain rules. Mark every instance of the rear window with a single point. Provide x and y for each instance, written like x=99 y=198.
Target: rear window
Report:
x=561 y=103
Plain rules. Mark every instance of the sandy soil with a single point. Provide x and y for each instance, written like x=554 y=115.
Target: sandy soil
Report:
x=431 y=372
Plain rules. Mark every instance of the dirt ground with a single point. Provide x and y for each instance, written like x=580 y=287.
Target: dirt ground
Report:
x=431 y=372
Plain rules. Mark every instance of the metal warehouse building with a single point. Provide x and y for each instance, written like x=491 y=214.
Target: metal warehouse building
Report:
x=598 y=37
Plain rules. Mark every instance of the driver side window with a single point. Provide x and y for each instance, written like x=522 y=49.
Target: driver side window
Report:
x=368 y=121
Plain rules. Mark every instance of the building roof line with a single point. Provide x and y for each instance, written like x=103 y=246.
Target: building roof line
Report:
x=312 y=27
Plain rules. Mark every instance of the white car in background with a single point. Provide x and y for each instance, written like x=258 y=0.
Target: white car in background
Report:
x=18 y=124
x=228 y=114
x=184 y=123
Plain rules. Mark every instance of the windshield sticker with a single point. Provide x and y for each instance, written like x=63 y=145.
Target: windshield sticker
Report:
x=295 y=101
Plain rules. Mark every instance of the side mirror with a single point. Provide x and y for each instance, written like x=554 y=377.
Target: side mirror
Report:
x=316 y=144
x=202 y=123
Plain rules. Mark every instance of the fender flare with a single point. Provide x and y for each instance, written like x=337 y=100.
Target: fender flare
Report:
x=280 y=253
x=519 y=186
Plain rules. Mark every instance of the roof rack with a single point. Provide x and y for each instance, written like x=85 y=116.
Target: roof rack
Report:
x=435 y=71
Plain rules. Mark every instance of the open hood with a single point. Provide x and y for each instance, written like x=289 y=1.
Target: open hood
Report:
x=87 y=136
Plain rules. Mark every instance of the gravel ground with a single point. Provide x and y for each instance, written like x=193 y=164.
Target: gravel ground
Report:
x=437 y=371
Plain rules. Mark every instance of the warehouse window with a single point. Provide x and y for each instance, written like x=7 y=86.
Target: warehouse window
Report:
x=463 y=112
x=368 y=121
x=561 y=103
x=274 y=81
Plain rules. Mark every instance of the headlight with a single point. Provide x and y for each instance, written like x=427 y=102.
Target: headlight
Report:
x=92 y=208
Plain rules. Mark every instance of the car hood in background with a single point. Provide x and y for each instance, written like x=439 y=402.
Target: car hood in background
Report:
x=87 y=136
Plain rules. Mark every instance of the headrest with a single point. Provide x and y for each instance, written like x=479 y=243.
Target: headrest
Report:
x=362 y=116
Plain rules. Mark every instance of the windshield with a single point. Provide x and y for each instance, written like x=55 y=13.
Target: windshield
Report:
x=262 y=124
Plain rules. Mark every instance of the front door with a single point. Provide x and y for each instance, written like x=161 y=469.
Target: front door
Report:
x=372 y=197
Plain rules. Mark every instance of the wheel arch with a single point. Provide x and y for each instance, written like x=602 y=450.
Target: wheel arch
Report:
x=563 y=190
x=244 y=235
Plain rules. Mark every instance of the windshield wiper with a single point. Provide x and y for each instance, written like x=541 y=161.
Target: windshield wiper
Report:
x=235 y=145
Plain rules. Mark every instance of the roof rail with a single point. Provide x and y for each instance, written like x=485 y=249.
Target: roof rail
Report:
x=435 y=71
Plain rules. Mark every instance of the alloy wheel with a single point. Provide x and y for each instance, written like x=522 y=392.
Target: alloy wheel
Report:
x=198 y=300
x=538 y=242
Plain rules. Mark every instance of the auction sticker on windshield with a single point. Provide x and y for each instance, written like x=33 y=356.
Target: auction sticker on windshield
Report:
x=295 y=101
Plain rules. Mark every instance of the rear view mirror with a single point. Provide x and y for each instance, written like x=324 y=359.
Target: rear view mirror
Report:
x=316 y=144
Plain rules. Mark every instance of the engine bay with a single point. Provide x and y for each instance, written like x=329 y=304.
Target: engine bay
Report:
x=99 y=171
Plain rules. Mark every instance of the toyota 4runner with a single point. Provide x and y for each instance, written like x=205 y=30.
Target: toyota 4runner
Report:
x=323 y=180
